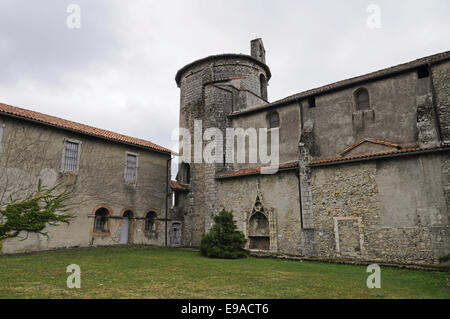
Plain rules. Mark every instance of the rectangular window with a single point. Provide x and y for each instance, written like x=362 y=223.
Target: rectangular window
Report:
x=422 y=72
x=131 y=167
x=71 y=154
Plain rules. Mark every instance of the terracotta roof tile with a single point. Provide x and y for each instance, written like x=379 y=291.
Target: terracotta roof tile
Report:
x=176 y=186
x=370 y=140
x=78 y=127
x=255 y=171
x=380 y=154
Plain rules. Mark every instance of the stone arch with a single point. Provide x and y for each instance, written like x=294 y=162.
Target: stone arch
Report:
x=261 y=227
x=101 y=222
x=151 y=225
x=362 y=99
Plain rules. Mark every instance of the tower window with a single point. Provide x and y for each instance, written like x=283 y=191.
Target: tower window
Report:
x=312 y=102
x=362 y=99
x=263 y=86
x=273 y=120
x=423 y=72
x=185 y=173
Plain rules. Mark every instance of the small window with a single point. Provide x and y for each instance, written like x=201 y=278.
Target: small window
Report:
x=312 y=102
x=273 y=120
x=423 y=72
x=71 y=152
x=185 y=173
x=131 y=167
x=101 y=221
x=362 y=99
x=263 y=87
x=150 y=224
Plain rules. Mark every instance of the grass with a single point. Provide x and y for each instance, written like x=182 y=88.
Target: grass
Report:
x=151 y=272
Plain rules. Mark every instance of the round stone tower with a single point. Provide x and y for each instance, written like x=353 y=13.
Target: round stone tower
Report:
x=211 y=89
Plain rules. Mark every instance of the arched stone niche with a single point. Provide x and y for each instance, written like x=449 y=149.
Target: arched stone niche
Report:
x=261 y=227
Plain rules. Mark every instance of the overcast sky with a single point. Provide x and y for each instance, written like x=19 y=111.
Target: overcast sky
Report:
x=117 y=71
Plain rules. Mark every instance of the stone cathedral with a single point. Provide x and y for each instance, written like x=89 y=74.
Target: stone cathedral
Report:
x=364 y=163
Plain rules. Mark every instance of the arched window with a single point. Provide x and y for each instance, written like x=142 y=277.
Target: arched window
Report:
x=362 y=99
x=263 y=86
x=185 y=173
x=101 y=221
x=150 y=223
x=273 y=120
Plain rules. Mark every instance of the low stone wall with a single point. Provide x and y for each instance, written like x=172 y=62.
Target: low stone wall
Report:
x=385 y=210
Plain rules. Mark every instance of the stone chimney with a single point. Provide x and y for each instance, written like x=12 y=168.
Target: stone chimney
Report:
x=257 y=50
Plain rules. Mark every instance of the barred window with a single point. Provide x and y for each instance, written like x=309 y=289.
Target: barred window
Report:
x=131 y=167
x=70 y=156
x=101 y=221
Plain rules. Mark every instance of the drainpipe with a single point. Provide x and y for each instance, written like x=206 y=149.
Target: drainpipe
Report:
x=169 y=161
x=299 y=168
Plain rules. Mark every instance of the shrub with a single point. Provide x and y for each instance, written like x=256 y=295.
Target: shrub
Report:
x=224 y=240
x=445 y=258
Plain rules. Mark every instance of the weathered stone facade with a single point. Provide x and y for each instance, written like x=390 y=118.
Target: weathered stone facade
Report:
x=393 y=210
x=34 y=150
x=356 y=181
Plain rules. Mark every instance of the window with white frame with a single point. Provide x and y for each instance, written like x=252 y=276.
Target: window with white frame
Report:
x=71 y=156
x=131 y=165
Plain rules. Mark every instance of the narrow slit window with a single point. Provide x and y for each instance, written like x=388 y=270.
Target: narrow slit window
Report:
x=131 y=167
x=274 y=120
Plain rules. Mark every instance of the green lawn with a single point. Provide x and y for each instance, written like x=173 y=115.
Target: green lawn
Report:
x=149 y=272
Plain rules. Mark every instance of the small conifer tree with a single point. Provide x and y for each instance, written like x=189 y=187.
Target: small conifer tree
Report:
x=224 y=240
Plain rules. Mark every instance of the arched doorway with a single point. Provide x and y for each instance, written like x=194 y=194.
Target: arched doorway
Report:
x=126 y=232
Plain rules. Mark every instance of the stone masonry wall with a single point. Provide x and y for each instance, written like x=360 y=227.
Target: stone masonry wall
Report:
x=358 y=214
x=280 y=195
x=441 y=79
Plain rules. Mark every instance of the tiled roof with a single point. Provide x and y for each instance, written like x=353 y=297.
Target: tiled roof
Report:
x=176 y=186
x=352 y=81
x=77 y=127
x=370 y=140
x=402 y=151
x=255 y=171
